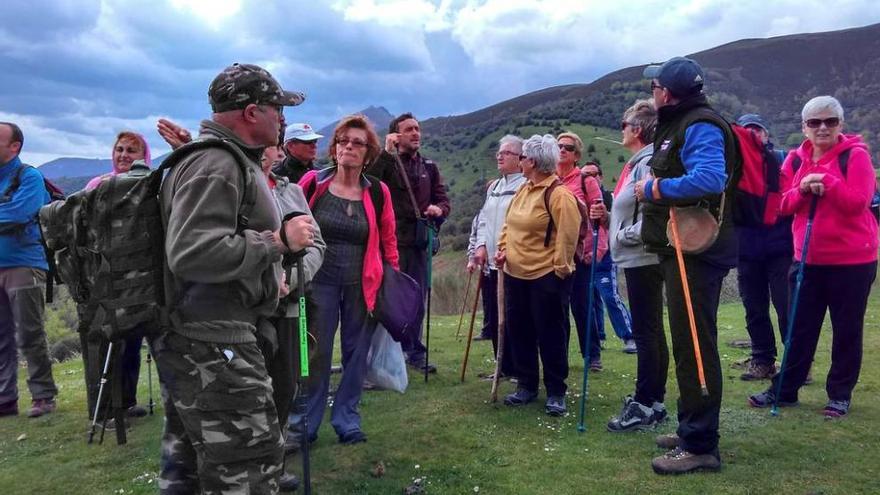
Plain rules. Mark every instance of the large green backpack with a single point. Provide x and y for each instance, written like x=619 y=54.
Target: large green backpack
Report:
x=109 y=245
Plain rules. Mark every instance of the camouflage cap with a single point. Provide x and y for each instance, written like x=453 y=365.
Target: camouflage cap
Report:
x=239 y=85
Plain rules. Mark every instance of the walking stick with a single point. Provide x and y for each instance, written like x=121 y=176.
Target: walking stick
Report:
x=151 y=404
x=428 y=309
x=799 y=278
x=303 y=372
x=464 y=304
x=102 y=382
x=704 y=390
x=502 y=320
x=467 y=349
x=584 y=386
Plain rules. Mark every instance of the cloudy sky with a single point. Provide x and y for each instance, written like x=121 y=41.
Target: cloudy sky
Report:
x=75 y=72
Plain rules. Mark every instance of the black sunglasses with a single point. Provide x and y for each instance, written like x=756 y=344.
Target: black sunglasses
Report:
x=830 y=123
x=568 y=147
x=655 y=86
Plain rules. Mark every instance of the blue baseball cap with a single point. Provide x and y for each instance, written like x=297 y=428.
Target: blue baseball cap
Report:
x=681 y=76
x=753 y=119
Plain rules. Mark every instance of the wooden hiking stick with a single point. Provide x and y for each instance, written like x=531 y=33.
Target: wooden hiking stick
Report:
x=501 y=321
x=464 y=304
x=687 y=301
x=467 y=349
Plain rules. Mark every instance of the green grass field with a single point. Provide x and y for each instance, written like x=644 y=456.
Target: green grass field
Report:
x=449 y=436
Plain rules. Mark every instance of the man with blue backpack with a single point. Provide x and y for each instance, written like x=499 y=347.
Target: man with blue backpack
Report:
x=23 y=273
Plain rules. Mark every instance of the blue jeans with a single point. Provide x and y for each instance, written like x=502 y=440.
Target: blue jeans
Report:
x=333 y=303
x=606 y=284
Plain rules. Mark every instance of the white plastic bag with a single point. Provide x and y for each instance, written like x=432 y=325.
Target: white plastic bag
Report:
x=386 y=367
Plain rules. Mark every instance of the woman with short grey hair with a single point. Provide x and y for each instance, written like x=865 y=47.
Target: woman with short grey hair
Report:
x=536 y=252
x=829 y=183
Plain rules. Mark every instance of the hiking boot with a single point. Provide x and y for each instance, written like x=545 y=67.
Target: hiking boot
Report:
x=633 y=416
x=596 y=365
x=680 y=461
x=660 y=413
x=352 y=437
x=288 y=482
x=668 y=441
x=836 y=409
x=39 y=407
x=421 y=365
x=136 y=411
x=758 y=371
x=741 y=364
x=9 y=408
x=766 y=399
x=555 y=405
x=520 y=398
x=629 y=347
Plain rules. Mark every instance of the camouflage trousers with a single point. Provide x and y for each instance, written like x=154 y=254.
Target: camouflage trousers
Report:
x=221 y=428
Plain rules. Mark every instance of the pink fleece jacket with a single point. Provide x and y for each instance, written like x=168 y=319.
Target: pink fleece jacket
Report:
x=385 y=232
x=844 y=231
x=93 y=183
x=573 y=182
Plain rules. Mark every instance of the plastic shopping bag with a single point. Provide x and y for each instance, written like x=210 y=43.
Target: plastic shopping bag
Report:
x=386 y=367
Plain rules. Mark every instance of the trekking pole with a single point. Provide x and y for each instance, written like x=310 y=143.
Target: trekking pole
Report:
x=592 y=288
x=467 y=292
x=704 y=390
x=303 y=372
x=428 y=310
x=151 y=404
x=799 y=278
x=101 y=383
x=467 y=349
x=502 y=320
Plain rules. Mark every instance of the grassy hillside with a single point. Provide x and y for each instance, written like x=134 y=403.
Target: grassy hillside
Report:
x=450 y=437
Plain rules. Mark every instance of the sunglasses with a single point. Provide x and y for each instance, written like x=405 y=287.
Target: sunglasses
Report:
x=568 y=147
x=355 y=143
x=830 y=123
x=655 y=86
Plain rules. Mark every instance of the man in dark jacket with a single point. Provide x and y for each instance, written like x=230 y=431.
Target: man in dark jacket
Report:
x=223 y=277
x=23 y=268
x=695 y=155
x=300 y=148
x=432 y=206
x=765 y=255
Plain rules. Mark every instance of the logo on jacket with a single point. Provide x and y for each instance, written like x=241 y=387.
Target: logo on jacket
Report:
x=665 y=145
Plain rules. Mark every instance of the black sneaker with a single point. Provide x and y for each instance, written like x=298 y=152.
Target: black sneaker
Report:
x=633 y=416
x=352 y=437
x=555 y=405
x=520 y=398
x=766 y=398
x=836 y=409
x=421 y=365
x=288 y=482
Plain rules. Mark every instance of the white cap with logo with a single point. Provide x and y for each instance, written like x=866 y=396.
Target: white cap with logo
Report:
x=300 y=132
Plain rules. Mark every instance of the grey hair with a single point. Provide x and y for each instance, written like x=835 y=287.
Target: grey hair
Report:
x=820 y=103
x=544 y=151
x=643 y=115
x=515 y=141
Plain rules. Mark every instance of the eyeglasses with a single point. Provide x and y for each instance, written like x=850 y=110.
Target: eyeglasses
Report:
x=830 y=123
x=278 y=108
x=568 y=147
x=505 y=153
x=355 y=143
x=655 y=86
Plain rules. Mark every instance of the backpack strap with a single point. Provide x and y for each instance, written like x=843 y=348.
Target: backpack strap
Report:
x=547 y=193
x=842 y=162
x=376 y=196
x=250 y=189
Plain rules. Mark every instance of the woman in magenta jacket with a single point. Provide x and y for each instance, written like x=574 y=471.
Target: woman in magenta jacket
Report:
x=841 y=263
x=343 y=292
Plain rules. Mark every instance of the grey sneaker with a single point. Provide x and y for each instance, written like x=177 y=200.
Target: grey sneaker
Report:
x=680 y=461
x=555 y=405
x=629 y=347
x=520 y=398
x=836 y=409
x=660 y=413
x=634 y=416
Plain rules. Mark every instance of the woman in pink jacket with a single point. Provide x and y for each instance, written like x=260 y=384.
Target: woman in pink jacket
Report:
x=359 y=238
x=841 y=263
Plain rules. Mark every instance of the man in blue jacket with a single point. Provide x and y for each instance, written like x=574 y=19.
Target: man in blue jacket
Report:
x=695 y=154
x=23 y=269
